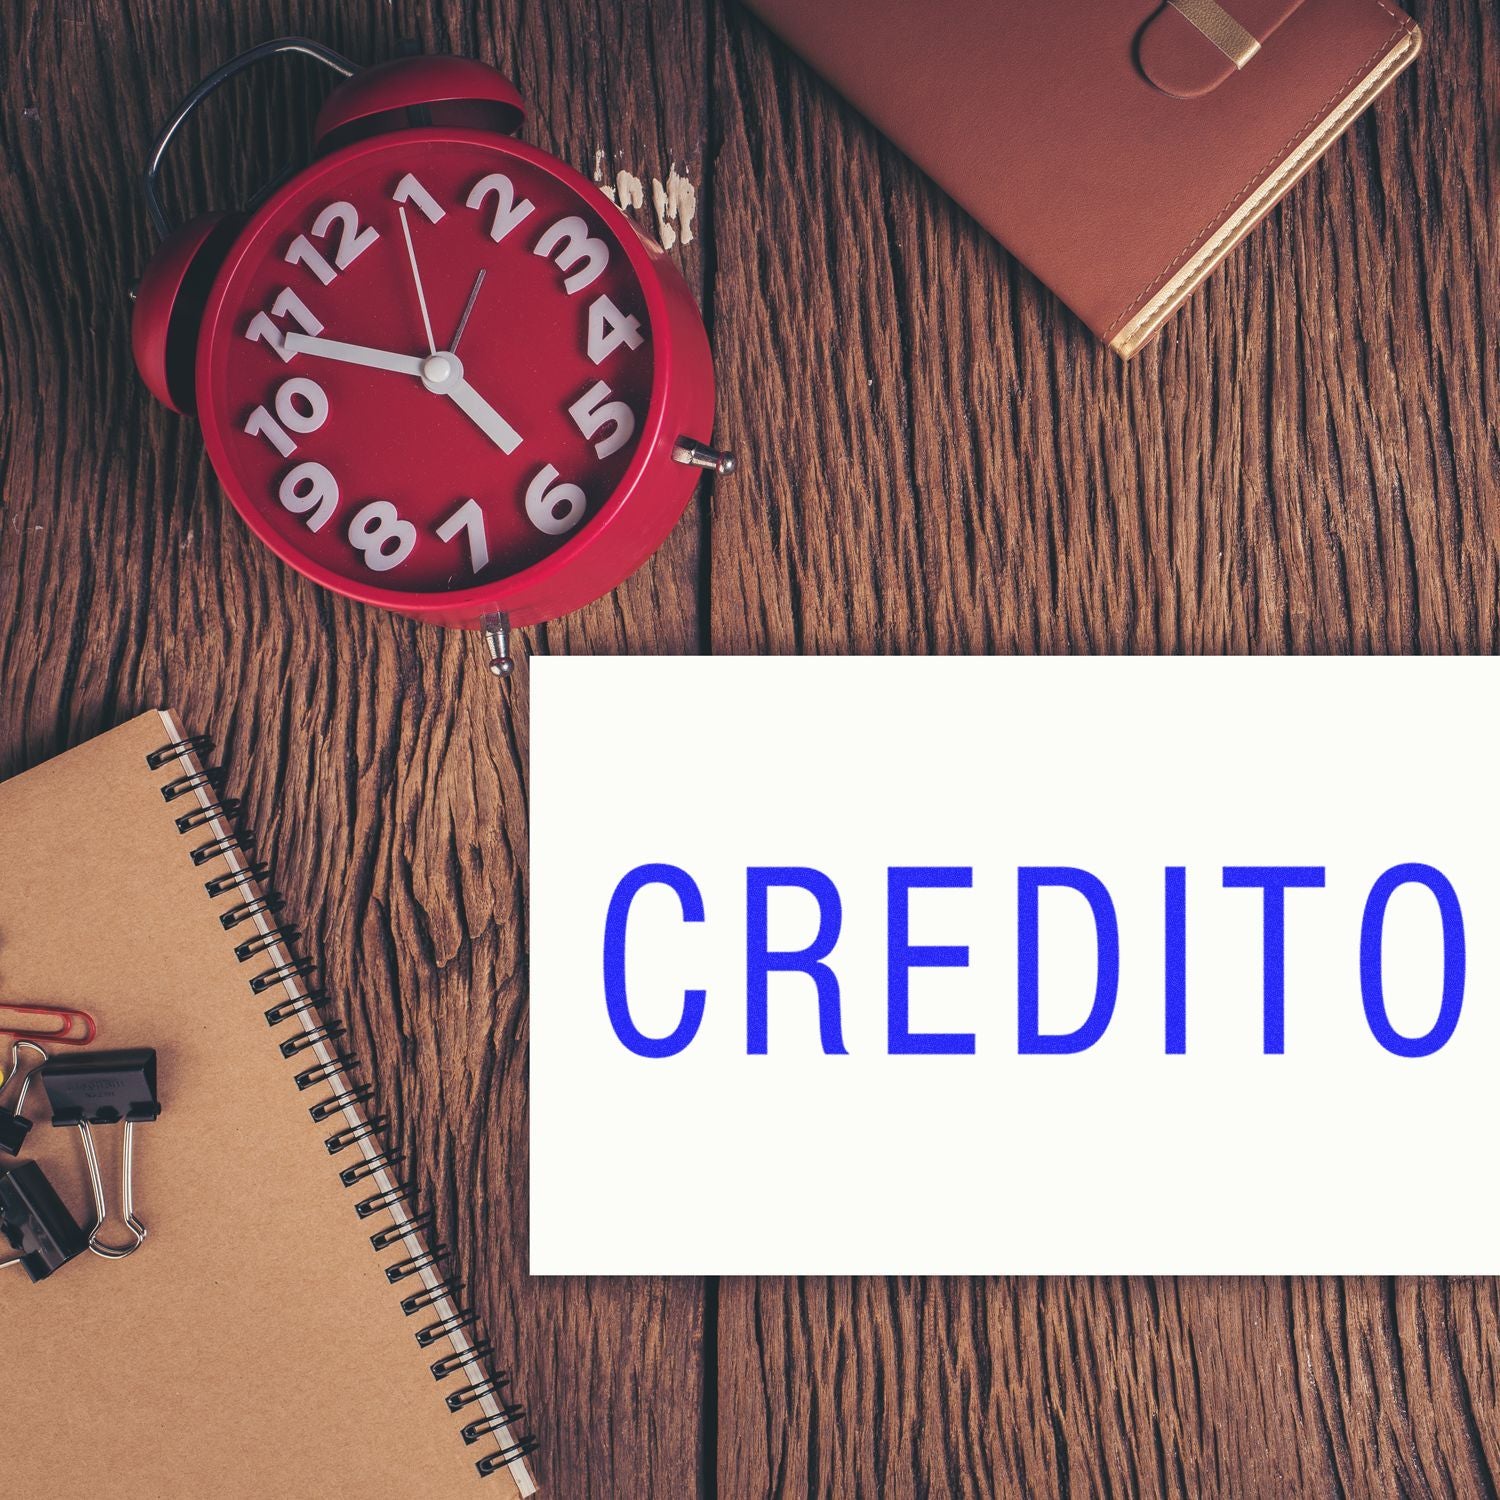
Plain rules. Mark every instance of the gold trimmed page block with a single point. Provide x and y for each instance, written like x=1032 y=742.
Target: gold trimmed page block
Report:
x=1141 y=328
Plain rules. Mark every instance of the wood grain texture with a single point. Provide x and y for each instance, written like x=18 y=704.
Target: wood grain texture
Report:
x=382 y=770
x=936 y=457
x=1308 y=460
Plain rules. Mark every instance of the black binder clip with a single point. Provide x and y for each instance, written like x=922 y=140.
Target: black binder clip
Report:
x=14 y=1126
x=106 y=1088
x=36 y=1224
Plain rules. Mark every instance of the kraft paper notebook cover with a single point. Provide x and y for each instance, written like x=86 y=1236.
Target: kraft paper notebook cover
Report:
x=254 y=1346
x=1119 y=148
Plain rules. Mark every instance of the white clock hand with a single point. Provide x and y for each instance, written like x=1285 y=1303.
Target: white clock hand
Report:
x=444 y=375
x=440 y=373
x=416 y=276
x=483 y=415
x=353 y=354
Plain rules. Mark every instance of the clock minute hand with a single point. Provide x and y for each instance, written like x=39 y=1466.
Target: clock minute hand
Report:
x=353 y=354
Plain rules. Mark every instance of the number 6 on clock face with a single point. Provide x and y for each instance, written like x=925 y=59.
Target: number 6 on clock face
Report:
x=554 y=508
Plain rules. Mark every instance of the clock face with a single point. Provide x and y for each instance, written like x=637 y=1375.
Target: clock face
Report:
x=428 y=364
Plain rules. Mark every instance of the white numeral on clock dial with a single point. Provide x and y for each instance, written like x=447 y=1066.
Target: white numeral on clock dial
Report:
x=554 y=508
x=300 y=404
x=469 y=518
x=384 y=538
x=353 y=242
x=569 y=243
x=593 y=410
x=287 y=305
x=303 y=252
x=409 y=190
x=311 y=488
x=610 y=329
x=508 y=213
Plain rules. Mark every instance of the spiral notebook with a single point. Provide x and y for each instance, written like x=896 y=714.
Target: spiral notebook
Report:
x=287 y=1329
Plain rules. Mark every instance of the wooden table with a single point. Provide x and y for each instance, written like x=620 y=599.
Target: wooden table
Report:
x=936 y=458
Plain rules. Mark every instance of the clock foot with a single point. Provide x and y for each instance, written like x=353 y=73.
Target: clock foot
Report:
x=496 y=629
x=701 y=456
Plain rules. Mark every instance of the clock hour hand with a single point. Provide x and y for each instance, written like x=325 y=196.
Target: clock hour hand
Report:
x=443 y=374
x=484 y=416
x=353 y=354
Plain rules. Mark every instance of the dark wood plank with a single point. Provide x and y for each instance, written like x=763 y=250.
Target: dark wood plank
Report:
x=1309 y=460
x=382 y=768
x=937 y=459
x=1302 y=463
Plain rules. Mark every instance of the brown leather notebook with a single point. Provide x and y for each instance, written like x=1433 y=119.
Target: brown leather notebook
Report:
x=1119 y=148
x=258 y=1344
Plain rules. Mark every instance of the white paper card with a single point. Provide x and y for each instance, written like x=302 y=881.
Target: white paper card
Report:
x=1324 y=1103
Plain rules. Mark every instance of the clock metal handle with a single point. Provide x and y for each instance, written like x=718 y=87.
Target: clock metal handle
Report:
x=297 y=44
x=700 y=456
x=496 y=627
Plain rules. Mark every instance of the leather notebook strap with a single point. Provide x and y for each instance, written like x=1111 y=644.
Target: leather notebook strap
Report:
x=1221 y=28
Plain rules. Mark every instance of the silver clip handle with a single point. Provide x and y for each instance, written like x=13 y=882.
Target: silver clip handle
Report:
x=127 y=1195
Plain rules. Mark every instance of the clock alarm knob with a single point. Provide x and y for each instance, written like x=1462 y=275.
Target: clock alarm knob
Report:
x=411 y=92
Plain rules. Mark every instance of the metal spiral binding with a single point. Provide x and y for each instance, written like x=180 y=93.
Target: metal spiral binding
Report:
x=414 y=1265
x=448 y=1288
x=197 y=780
x=477 y=1352
x=341 y=1062
x=329 y=1033
x=286 y=936
x=352 y=1135
x=299 y=968
x=506 y=1416
x=471 y=1356
x=226 y=811
x=503 y=1458
x=423 y=1223
x=368 y=1168
x=490 y=1385
x=205 y=852
x=236 y=880
x=198 y=744
x=246 y=910
x=298 y=1005
x=367 y=1208
x=433 y=1332
x=336 y=1104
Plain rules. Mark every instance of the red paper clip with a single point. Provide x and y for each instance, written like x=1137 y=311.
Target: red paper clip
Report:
x=47 y=1023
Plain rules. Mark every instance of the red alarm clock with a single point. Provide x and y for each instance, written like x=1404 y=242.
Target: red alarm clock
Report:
x=437 y=369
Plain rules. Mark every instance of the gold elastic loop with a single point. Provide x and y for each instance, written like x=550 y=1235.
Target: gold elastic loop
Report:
x=1220 y=28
